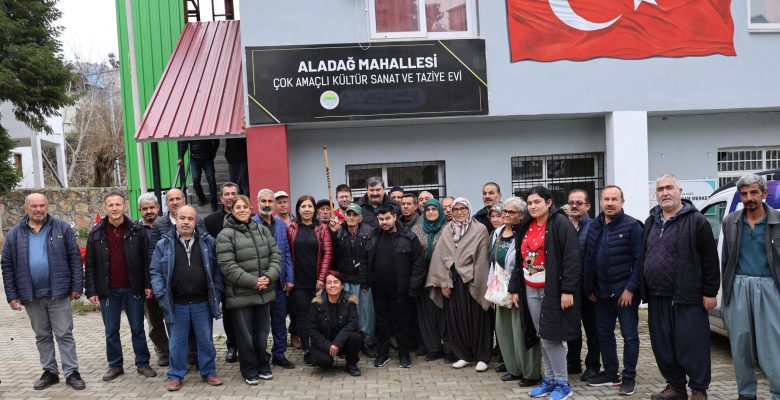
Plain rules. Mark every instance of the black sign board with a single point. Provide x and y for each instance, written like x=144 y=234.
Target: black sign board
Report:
x=316 y=83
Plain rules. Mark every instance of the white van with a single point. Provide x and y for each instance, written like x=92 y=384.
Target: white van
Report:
x=723 y=201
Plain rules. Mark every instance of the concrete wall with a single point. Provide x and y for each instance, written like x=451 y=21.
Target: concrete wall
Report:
x=474 y=153
x=748 y=80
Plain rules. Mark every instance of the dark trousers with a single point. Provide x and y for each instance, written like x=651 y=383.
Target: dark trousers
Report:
x=350 y=351
x=279 y=323
x=301 y=299
x=592 y=361
x=251 y=325
x=293 y=327
x=201 y=166
x=680 y=337
x=239 y=174
x=607 y=311
x=227 y=324
x=393 y=316
x=157 y=329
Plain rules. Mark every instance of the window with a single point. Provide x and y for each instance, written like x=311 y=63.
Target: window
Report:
x=560 y=173
x=714 y=215
x=418 y=19
x=764 y=15
x=411 y=176
x=18 y=163
x=733 y=163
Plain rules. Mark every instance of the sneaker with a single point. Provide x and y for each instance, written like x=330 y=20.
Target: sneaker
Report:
x=605 y=379
x=74 y=380
x=626 y=387
x=561 y=391
x=544 y=388
x=381 y=360
x=113 y=373
x=265 y=373
x=698 y=394
x=589 y=374
x=252 y=381
x=670 y=393
x=47 y=379
x=352 y=369
x=146 y=371
x=481 y=367
x=405 y=361
x=460 y=364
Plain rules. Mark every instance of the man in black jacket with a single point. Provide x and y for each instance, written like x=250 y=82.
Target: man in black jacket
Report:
x=202 y=153
x=394 y=269
x=491 y=194
x=680 y=283
x=116 y=276
x=214 y=223
x=374 y=199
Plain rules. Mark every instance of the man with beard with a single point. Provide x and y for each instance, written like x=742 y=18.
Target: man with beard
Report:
x=148 y=207
x=265 y=207
x=751 y=278
x=214 y=222
x=491 y=194
x=343 y=198
x=374 y=199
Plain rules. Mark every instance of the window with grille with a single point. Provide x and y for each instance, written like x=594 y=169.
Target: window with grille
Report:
x=432 y=19
x=560 y=173
x=411 y=176
x=733 y=163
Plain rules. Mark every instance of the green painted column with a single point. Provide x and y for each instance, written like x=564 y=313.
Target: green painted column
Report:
x=157 y=26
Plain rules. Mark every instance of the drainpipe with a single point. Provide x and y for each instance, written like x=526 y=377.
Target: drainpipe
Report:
x=136 y=99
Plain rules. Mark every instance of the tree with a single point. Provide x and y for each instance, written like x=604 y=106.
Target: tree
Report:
x=33 y=74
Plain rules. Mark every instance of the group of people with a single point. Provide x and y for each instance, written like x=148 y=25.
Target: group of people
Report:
x=405 y=270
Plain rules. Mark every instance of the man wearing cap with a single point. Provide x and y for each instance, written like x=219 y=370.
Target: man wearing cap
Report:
x=374 y=199
x=350 y=240
x=282 y=207
x=396 y=193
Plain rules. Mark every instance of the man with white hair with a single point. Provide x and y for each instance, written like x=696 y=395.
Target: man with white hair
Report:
x=149 y=208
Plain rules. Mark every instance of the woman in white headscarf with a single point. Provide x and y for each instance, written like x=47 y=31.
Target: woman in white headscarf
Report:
x=458 y=276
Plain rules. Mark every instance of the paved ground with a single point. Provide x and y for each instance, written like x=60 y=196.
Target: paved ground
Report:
x=20 y=368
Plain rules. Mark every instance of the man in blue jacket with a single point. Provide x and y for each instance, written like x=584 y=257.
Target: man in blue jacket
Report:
x=612 y=270
x=265 y=206
x=188 y=284
x=42 y=271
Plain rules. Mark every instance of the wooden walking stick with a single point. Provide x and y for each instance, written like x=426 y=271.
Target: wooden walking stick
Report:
x=327 y=177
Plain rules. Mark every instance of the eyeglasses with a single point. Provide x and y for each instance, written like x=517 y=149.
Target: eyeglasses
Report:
x=509 y=212
x=578 y=203
x=459 y=209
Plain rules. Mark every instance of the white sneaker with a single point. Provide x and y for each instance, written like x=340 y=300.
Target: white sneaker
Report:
x=460 y=364
x=481 y=367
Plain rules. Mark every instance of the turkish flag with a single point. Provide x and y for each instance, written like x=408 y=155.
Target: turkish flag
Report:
x=550 y=30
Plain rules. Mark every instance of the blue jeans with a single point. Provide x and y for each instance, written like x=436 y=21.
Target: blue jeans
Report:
x=206 y=166
x=607 y=311
x=197 y=316
x=111 y=310
x=366 y=317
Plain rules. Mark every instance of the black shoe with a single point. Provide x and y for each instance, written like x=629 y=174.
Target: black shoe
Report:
x=404 y=360
x=433 y=356
x=588 y=374
x=528 y=382
x=368 y=352
x=510 y=377
x=352 y=369
x=231 y=356
x=283 y=362
x=501 y=368
x=265 y=373
x=307 y=359
x=627 y=387
x=47 y=379
x=605 y=379
x=162 y=360
x=381 y=361
x=741 y=397
x=74 y=380
x=450 y=358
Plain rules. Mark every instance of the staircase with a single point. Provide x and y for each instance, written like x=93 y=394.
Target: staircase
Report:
x=221 y=173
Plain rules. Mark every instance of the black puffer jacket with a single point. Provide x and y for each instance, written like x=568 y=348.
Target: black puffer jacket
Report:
x=321 y=331
x=408 y=259
x=96 y=271
x=343 y=258
x=562 y=275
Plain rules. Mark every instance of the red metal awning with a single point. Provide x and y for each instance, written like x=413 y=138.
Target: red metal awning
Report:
x=201 y=92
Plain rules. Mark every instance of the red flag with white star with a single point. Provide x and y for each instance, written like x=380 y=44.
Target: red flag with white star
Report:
x=551 y=30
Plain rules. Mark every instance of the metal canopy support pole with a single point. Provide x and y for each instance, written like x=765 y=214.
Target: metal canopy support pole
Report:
x=156 y=173
x=136 y=97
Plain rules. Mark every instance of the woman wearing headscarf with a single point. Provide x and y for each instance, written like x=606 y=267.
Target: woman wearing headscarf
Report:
x=514 y=330
x=458 y=276
x=549 y=282
x=429 y=317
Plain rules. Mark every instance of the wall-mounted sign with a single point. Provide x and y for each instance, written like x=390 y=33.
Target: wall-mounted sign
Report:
x=316 y=83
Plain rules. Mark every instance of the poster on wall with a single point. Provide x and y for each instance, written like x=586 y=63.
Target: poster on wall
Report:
x=336 y=82
x=579 y=30
x=695 y=190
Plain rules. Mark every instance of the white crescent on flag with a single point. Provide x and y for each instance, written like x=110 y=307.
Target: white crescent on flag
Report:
x=562 y=9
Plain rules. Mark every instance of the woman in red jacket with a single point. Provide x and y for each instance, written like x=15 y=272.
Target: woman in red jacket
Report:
x=311 y=249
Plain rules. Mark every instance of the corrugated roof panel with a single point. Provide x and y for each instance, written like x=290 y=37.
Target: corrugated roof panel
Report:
x=201 y=91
